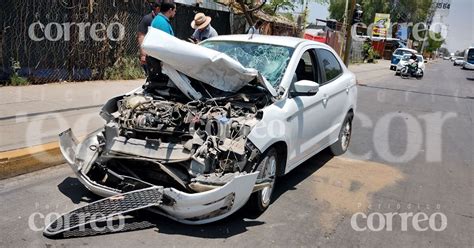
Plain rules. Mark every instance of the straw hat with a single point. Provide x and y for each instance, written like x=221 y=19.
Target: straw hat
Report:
x=200 y=21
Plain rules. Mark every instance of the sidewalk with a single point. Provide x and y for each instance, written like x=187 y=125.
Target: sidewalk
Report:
x=36 y=114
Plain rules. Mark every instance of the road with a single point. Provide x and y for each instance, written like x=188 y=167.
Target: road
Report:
x=411 y=152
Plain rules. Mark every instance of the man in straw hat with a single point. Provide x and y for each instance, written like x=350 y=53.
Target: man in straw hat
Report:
x=203 y=28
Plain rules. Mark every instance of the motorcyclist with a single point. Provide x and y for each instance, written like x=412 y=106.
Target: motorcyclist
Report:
x=413 y=62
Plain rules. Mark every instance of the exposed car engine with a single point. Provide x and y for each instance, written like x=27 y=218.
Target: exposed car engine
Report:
x=157 y=138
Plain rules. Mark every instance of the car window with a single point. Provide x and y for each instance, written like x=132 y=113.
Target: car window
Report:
x=329 y=65
x=419 y=58
x=305 y=70
x=398 y=52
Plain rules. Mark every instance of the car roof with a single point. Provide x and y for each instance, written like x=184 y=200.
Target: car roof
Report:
x=407 y=49
x=268 y=39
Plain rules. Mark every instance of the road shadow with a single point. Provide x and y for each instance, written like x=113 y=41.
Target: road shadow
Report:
x=75 y=191
x=235 y=224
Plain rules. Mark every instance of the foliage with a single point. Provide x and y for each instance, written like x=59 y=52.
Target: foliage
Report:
x=288 y=16
x=124 y=69
x=372 y=55
x=435 y=40
x=404 y=11
x=336 y=9
x=15 y=78
x=444 y=51
x=280 y=5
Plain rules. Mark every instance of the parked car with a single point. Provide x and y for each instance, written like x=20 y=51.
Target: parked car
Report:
x=398 y=54
x=458 y=61
x=405 y=60
x=237 y=112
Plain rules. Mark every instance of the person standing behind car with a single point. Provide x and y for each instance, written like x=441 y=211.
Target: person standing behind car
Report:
x=143 y=29
x=203 y=29
x=162 y=21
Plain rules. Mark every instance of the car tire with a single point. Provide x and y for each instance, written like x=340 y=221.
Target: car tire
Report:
x=267 y=167
x=404 y=72
x=342 y=144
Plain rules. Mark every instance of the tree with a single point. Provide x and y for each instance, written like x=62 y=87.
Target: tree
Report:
x=444 y=52
x=336 y=9
x=399 y=10
x=435 y=40
x=276 y=5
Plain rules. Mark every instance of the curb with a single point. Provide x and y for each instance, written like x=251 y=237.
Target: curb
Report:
x=25 y=160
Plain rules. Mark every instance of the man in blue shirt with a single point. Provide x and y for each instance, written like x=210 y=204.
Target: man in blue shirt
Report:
x=162 y=20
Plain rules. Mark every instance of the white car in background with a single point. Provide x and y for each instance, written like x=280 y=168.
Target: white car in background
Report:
x=237 y=112
x=458 y=61
x=405 y=60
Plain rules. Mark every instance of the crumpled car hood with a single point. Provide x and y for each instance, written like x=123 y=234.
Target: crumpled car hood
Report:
x=201 y=63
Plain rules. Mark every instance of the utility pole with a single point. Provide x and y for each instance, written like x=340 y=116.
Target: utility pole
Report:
x=431 y=13
x=348 y=33
x=345 y=15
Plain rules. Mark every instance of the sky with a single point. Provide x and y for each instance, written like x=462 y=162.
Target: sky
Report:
x=460 y=22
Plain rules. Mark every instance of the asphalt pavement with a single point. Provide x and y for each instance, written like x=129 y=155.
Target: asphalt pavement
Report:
x=411 y=153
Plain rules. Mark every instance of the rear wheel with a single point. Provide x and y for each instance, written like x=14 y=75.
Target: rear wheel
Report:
x=260 y=200
x=342 y=144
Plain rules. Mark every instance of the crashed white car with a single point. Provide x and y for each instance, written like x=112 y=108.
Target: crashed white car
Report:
x=237 y=112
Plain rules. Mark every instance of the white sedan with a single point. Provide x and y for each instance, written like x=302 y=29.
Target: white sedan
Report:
x=458 y=61
x=237 y=112
x=405 y=60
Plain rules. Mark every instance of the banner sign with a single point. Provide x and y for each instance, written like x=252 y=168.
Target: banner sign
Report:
x=381 y=24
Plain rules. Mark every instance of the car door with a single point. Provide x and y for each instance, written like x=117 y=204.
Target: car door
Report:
x=306 y=113
x=334 y=89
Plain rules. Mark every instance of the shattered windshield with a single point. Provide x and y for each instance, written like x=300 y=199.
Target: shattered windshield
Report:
x=270 y=60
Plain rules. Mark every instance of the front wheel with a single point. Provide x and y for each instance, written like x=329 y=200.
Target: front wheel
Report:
x=419 y=75
x=342 y=144
x=404 y=72
x=260 y=200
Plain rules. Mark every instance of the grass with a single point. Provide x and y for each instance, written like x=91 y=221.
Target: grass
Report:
x=124 y=69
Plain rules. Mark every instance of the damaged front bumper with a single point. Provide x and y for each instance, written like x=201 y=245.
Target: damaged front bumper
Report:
x=189 y=208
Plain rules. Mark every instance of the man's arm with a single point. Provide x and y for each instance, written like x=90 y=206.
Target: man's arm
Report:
x=142 y=29
x=141 y=36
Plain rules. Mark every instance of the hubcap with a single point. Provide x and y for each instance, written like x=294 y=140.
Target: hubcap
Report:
x=269 y=170
x=346 y=135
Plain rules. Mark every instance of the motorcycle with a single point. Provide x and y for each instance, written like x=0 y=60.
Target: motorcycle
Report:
x=411 y=70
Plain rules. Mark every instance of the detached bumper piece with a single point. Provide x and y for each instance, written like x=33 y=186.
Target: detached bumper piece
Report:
x=104 y=210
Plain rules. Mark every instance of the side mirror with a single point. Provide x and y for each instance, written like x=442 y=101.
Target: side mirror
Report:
x=305 y=88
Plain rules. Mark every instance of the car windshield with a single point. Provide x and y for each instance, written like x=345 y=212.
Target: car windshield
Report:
x=270 y=60
x=470 y=54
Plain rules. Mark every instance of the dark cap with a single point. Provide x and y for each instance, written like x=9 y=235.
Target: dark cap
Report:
x=155 y=3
